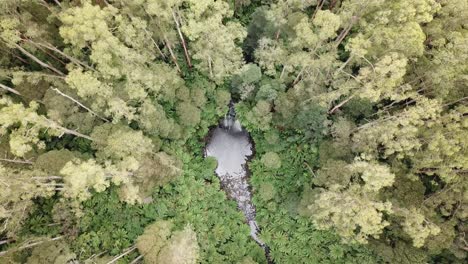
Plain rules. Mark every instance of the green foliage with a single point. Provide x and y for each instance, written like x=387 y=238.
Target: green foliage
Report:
x=160 y=244
x=290 y=236
x=51 y=252
x=271 y=160
x=357 y=108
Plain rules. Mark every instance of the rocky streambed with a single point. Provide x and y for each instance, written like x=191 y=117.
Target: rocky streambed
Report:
x=231 y=146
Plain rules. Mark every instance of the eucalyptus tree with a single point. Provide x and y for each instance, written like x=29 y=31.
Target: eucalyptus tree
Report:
x=162 y=243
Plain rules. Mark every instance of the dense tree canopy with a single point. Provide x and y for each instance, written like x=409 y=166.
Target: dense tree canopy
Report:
x=357 y=108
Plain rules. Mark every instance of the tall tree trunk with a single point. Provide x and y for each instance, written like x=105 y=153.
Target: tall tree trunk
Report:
x=52 y=55
x=30 y=245
x=80 y=104
x=345 y=31
x=332 y=4
x=209 y=65
x=298 y=77
x=11 y=90
x=34 y=58
x=17 y=161
x=277 y=35
x=174 y=59
x=184 y=45
x=75 y=133
x=70 y=58
x=340 y=104
x=319 y=7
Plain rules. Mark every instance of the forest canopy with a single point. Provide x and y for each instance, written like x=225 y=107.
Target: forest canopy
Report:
x=357 y=108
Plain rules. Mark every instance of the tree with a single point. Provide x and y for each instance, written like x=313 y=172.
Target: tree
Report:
x=213 y=42
x=55 y=252
x=160 y=243
x=24 y=136
x=271 y=160
x=19 y=188
x=352 y=209
x=397 y=133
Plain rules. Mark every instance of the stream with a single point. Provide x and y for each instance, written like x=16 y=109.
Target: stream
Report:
x=231 y=146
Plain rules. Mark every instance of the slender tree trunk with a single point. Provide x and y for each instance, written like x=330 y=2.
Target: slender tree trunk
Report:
x=55 y=125
x=345 y=31
x=128 y=251
x=34 y=58
x=457 y=101
x=80 y=104
x=298 y=76
x=17 y=161
x=70 y=58
x=30 y=245
x=48 y=178
x=319 y=7
x=344 y=64
x=277 y=35
x=6 y=241
x=184 y=45
x=156 y=45
x=11 y=90
x=75 y=133
x=209 y=65
x=340 y=105
x=137 y=259
x=332 y=4
x=174 y=59
x=282 y=72
x=58 y=3
x=16 y=56
x=52 y=55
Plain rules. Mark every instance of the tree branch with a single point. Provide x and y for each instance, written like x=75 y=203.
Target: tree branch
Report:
x=34 y=58
x=122 y=255
x=17 y=161
x=187 y=57
x=11 y=90
x=80 y=104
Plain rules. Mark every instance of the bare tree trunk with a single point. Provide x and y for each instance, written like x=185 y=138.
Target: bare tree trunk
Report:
x=52 y=48
x=55 y=125
x=457 y=101
x=282 y=72
x=75 y=133
x=137 y=259
x=16 y=56
x=128 y=251
x=340 y=105
x=11 y=90
x=174 y=59
x=184 y=45
x=52 y=55
x=156 y=45
x=277 y=35
x=80 y=104
x=6 y=241
x=17 y=161
x=332 y=4
x=34 y=58
x=209 y=65
x=30 y=245
x=345 y=31
x=345 y=63
x=298 y=76
x=319 y=7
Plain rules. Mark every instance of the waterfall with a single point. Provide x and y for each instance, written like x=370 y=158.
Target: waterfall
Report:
x=230 y=144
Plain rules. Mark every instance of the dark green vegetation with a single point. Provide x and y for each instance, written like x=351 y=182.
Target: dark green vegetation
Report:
x=357 y=109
